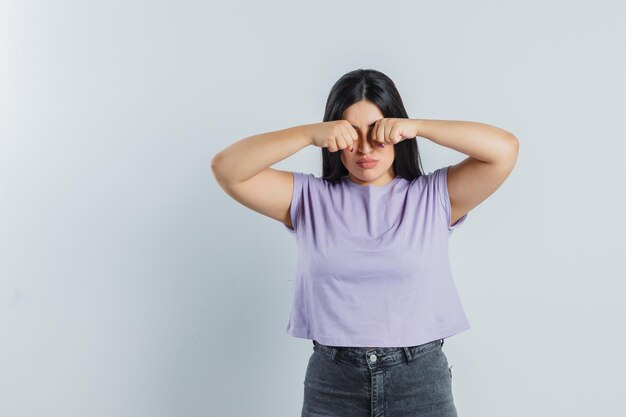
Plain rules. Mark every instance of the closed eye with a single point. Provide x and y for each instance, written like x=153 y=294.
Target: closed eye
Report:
x=369 y=127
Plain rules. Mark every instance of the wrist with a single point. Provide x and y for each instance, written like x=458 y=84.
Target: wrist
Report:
x=418 y=124
x=307 y=133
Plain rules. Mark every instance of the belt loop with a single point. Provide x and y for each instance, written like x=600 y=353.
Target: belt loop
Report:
x=408 y=354
x=441 y=342
x=333 y=353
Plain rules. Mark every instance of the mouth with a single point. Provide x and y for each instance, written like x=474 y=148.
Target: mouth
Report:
x=367 y=163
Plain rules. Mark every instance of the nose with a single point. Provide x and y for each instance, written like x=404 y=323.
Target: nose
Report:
x=365 y=145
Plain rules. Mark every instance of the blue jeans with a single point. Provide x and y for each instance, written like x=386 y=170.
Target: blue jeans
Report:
x=411 y=381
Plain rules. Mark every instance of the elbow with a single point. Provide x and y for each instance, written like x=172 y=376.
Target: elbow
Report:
x=216 y=165
x=514 y=144
x=511 y=142
x=512 y=150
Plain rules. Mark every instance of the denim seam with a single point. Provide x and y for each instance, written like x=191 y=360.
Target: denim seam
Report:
x=420 y=354
x=327 y=355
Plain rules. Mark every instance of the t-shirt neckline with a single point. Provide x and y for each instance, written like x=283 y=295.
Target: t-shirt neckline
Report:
x=371 y=186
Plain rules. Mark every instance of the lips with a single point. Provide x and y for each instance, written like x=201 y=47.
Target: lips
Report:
x=362 y=160
x=367 y=163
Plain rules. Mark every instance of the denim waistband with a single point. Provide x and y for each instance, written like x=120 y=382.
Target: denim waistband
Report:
x=376 y=357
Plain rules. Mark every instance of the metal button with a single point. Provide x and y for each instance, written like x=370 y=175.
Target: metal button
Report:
x=373 y=358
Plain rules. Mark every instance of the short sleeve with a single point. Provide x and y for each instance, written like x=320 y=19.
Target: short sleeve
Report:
x=299 y=180
x=440 y=182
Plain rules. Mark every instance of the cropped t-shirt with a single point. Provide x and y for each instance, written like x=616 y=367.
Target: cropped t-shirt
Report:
x=372 y=266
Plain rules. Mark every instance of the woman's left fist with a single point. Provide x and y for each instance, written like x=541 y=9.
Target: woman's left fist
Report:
x=394 y=130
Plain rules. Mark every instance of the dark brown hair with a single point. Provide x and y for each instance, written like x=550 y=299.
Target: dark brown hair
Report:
x=376 y=87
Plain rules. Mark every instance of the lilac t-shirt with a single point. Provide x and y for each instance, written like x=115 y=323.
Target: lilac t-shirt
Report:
x=373 y=267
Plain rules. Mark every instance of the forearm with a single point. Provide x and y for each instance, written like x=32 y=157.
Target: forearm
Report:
x=247 y=157
x=479 y=140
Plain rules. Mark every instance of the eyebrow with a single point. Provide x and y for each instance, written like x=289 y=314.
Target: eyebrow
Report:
x=368 y=126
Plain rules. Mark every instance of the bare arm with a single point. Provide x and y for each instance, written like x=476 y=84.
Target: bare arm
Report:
x=243 y=170
x=492 y=155
x=249 y=156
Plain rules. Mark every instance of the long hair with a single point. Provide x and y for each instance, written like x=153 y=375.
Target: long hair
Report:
x=376 y=87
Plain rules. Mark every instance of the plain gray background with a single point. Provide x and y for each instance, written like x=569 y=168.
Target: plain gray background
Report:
x=132 y=285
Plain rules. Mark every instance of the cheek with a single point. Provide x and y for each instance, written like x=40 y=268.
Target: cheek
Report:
x=343 y=158
x=390 y=156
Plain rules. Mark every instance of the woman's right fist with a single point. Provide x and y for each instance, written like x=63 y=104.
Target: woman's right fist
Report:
x=334 y=135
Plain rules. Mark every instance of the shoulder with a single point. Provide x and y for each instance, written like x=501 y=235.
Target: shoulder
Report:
x=429 y=180
x=432 y=186
x=433 y=179
x=303 y=180
x=310 y=180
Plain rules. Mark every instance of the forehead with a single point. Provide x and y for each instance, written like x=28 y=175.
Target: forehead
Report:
x=363 y=113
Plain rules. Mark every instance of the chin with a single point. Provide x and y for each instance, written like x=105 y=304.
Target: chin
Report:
x=368 y=174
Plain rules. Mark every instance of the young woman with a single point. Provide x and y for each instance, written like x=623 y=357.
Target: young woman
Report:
x=373 y=289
